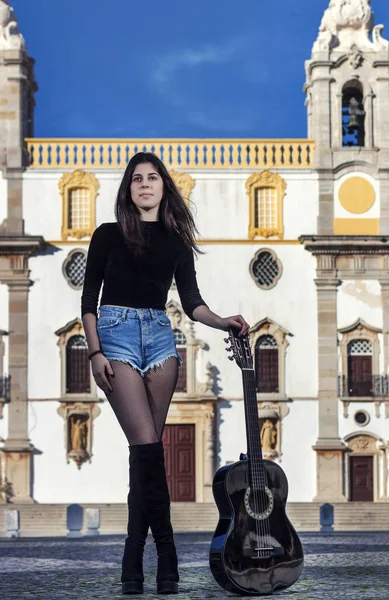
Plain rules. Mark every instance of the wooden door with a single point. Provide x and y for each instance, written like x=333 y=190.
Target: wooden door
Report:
x=361 y=479
x=360 y=380
x=267 y=370
x=179 y=444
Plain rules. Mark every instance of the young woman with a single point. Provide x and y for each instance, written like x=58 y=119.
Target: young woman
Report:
x=131 y=343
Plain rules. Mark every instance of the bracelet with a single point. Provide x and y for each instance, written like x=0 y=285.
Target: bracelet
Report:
x=94 y=354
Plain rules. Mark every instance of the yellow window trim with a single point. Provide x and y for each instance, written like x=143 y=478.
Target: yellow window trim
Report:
x=76 y=180
x=184 y=182
x=258 y=181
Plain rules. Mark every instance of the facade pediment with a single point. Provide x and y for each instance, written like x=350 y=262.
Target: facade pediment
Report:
x=269 y=326
x=360 y=324
x=71 y=326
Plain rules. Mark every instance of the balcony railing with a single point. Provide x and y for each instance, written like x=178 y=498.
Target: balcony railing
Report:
x=376 y=386
x=175 y=153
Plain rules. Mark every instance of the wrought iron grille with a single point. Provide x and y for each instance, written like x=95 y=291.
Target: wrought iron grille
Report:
x=379 y=387
x=75 y=269
x=265 y=269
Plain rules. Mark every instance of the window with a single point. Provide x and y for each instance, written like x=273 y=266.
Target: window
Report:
x=362 y=418
x=266 y=269
x=77 y=366
x=266 y=365
x=74 y=268
x=360 y=368
x=180 y=340
x=79 y=191
x=79 y=209
x=266 y=191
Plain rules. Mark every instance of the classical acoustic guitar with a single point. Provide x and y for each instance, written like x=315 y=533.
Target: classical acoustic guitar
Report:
x=255 y=549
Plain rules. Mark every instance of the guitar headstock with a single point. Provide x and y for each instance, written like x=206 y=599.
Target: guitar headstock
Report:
x=240 y=348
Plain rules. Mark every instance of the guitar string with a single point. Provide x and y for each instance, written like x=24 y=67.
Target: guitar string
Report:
x=258 y=478
x=257 y=496
x=264 y=473
x=251 y=464
x=255 y=477
x=258 y=473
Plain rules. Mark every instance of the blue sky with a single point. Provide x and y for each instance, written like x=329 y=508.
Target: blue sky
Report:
x=169 y=68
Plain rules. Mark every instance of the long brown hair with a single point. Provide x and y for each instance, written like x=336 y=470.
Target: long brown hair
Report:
x=173 y=211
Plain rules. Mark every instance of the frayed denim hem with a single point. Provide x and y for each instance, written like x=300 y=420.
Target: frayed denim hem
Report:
x=154 y=365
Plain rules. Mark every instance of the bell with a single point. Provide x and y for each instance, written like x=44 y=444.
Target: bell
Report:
x=354 y=124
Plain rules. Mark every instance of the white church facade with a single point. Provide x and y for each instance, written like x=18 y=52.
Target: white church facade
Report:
x=296 y=238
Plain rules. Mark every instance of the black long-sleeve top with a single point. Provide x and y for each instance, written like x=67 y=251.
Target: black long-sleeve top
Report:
x=139 y=281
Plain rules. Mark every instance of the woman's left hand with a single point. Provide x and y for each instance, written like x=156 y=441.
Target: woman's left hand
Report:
x=236 y=321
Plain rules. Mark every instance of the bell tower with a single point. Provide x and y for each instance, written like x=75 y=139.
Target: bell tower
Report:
x=347 y=88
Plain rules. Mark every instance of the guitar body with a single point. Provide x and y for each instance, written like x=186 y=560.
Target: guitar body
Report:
x=237 y=559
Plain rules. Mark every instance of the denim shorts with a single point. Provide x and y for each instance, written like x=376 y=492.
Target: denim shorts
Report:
x=140 y=337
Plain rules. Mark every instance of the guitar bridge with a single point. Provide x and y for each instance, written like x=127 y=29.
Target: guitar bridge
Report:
x=265 y=552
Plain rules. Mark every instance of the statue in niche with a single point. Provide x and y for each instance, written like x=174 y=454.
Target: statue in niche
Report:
x=268 y=436
x=78 y=433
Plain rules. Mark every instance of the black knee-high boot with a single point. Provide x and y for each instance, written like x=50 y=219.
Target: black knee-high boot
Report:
x=137 y=529
x=156 y=502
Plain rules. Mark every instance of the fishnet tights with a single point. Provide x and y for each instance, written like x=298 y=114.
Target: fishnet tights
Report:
x=141 y=404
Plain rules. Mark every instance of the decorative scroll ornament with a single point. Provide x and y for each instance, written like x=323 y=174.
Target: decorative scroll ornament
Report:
x=347 y=23
x=184 y=182
x=10 y=36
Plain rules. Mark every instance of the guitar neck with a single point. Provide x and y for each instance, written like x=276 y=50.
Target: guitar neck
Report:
x=253 y=433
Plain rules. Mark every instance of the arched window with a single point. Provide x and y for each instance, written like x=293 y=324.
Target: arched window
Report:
x=266 y=365
x=353 y=114
x=77 y=366
x=360 y=368
x=180 y=340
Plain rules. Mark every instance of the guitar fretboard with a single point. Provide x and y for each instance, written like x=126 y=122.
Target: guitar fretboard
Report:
x=257 y=472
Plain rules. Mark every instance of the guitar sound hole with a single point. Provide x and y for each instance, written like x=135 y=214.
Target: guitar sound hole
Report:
x=259 y=504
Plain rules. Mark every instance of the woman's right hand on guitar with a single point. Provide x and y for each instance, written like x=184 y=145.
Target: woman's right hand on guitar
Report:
x=101 y=369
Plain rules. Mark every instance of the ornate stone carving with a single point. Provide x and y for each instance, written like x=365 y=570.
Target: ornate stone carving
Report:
x=269 y=436
x=184 y=182
x=348 y=23
x=355 y=57
x=362 y=443
x=10 y=36
x=271 y=416
x=78 y=419
x=174 y=313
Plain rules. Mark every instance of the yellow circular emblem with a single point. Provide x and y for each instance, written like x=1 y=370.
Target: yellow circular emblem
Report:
x=357 y=195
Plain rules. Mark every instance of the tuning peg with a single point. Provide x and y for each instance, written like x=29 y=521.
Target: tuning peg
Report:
x=228 y=349
x=226 y=340
x=230 y=358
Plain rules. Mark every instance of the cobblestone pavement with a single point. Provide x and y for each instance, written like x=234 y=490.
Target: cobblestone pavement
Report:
x=337 y=567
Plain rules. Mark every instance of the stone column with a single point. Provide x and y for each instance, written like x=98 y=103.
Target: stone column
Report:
x=385 y=320
x=329 y=447
x=17 y=447
x=325 y=219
